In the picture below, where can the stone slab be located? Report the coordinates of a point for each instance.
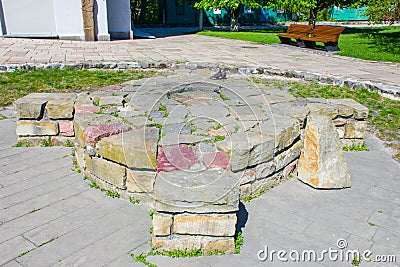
(37, 128)
(107, 171)
(205, 224)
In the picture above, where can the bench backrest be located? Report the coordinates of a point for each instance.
(299, 28)
(329, 32)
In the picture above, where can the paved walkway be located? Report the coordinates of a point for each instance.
(49, 216)
(195, 48)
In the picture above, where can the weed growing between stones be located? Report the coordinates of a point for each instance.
(96, 102)
(142, 258)
(253, 196)
(107, 192)
(356, 261)
(20, 144)
(362, 147)
(151, 229)
(46, 143)
(35, 210)
(238, 242)
(223, 97)
(2, 117)
(371, 224)
(219, 138)
(68, 143)
(134, 201)
(163, 108)
(151, 213)
(23, 253)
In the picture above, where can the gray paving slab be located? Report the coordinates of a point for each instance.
(10, 249)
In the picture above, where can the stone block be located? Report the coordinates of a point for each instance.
(94, 134)
(33, 140)
(82, 121)
(360, 112)
(136, 149)
(31, 106)
(162, 224)
(323, 109)
(60, 140)
(322, 164)
(216, 160)
(110, 172)
(61, 106)
(111, 101)
(176, 157)
(37, 128)
(211, 190)
(86, 109)
(265, 169)
(355, 129)
(344, 106)
(140, 181)
(290, 110)
(66, 128)
(205, 224)
(283, 159)
(189, 243)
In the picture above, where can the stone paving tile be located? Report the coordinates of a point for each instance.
(10, 249)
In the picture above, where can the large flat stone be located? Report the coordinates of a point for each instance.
(323, 109)
(31, 106)
(162, 224)
(212, 190)
(61, 106)
(359, 111)
(205, 224)
(37, 128)
(284, 158)
(355, 129)
(322, 164)
(136, 149)
(176, 157)
(110, 172)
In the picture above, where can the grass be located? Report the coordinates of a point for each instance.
(14, 85)
(253, 196)
(372, 43)
(384, 114)
(238, 242)
(362, 147)
(356, 261)
(142, 258)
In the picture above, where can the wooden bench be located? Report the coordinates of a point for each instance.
(329, 35)
(295, 31)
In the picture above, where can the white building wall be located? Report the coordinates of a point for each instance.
(69, 21)
(119, 19)
(100, 13)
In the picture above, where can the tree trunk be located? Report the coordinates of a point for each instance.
(313, 17)
(88, 19)
(235, 19)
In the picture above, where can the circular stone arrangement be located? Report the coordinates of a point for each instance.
(190, 145)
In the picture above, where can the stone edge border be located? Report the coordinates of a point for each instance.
(384, 89)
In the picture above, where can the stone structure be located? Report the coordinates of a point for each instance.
(193, 149)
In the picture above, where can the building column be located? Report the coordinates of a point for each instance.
(88, 19)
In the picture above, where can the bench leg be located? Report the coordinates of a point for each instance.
(284, 40)
(331, 47)
(309, 44)
(300, 43)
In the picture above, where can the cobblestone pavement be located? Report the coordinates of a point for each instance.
(49, 216)
(195, 48)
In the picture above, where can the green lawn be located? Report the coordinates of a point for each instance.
(372, 43)
(14, 85)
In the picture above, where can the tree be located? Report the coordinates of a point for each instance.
(382, 10)
(88, 19)
(234, 6)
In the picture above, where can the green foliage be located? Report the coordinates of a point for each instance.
(134, 201)
(22, 144)
(142, 258)
(14, 85)
(23, 253)
(163, 108)
(96, 102)
(111, 193)
(179, 253)
(371, 224)
(382, 10)
(151, 213)
(219, 138)
(255, 195)
(68, 143)
(46, 142)
(356, 261)
(217, 127)
(238, 242)
(2, 117)
(223, 97)
(151, 229)
(362, 147)
(94, 185)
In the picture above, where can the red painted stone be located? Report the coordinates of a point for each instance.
(216, 159)
(178, 157)
(219, 132)
(114, 87)
(86, 109)
(93, 134)
(66, 128)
